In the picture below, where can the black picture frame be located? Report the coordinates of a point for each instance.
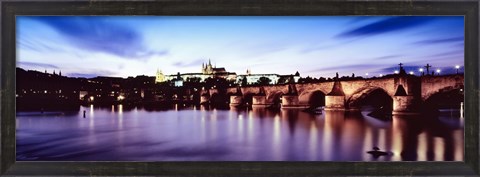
(11, 8)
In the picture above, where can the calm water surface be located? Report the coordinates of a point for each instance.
(200, 134)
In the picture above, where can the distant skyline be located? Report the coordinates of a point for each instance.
(316, 46)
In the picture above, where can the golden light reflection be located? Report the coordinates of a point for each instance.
(397, 145)
(214, 114)
(328, 136)
(91, 122)
(250, 131)
(367, 143)
(120, 116)
(422, 147)
(203, 129)
(120, 109)
(382, 138)
(213, 123)
(439, 145)
(313, 140)
(231, 123)
(250, 113)
(459, 141)
(276, 145)
(91, 110)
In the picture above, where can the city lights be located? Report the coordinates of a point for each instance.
(292, 94)
(120, 98)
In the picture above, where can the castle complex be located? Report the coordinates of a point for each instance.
(210, 71)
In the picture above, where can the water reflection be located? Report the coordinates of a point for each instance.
(204, 133)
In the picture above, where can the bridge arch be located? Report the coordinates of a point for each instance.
(446, 89)
(447, 97)
(375, 96)
(275, 97)
(248, 98)
(315, 97)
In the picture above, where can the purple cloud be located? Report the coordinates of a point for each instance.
(437, 41)
(100, 35)
(387, 25)
(37, 65)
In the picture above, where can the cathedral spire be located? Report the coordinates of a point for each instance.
(209, 62)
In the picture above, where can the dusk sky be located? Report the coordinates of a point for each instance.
(121, 46)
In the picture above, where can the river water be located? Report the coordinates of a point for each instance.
(200, 134)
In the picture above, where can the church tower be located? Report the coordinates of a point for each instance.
(207, 68)
(159, 77)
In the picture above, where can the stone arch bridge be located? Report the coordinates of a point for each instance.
(408, 92)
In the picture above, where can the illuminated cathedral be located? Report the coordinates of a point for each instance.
(207, 71)
(210, 71)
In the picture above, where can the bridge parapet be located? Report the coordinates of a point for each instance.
(348, 95)
(435, 84)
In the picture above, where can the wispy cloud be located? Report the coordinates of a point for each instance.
(100, 35)
(197, 62)
(387, 25)
(329, 46)
(387, 57)
(345, 67)
(36, 65)
(38, 46)
(93, 73)
(449, 53)
(443, 40)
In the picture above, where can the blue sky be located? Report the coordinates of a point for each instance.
(121, 46)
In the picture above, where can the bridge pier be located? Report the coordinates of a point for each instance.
(335, 103)
(236, 100)
(260, 101)
(204, 99)
(404, 105)
(292, 102)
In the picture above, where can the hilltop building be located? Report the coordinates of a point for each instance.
(274, 78)
(207, 71)
(210, 71)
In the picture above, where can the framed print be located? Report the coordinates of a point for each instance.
(239, 88)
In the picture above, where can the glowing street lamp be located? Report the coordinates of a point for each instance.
(421, 71)
(411, 72)
(457, 67)
(396, 72)
(438, 71)
(120, 98)
(381, 75)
